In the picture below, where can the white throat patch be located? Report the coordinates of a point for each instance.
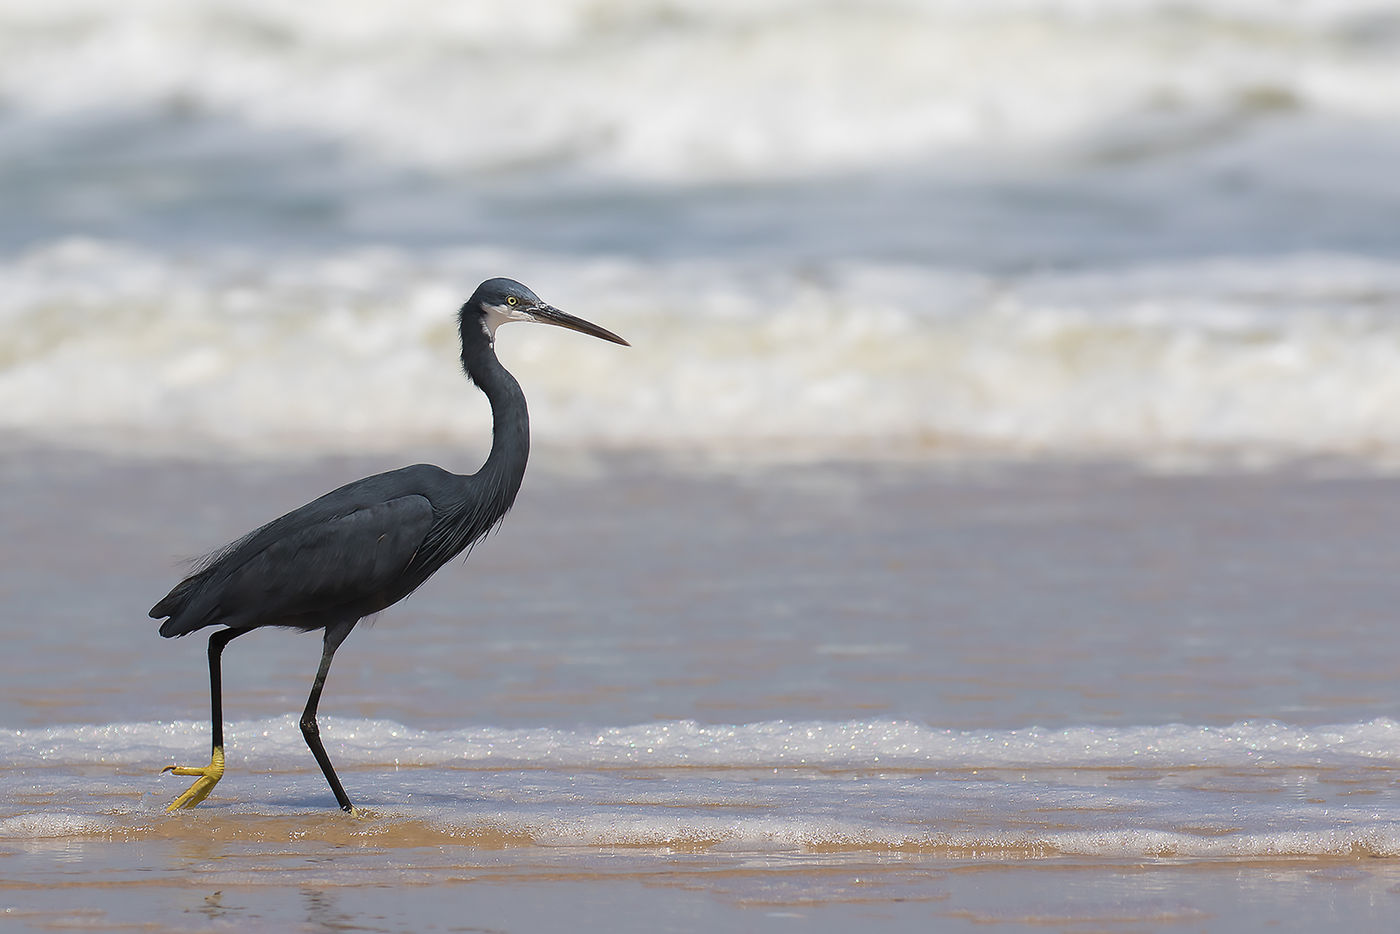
(497, 315)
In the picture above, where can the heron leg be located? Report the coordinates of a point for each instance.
(209, 775)
(310, 730)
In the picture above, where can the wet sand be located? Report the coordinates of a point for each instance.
(625, 591)
(172, 886)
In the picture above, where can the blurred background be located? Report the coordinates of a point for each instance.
(851, 243)
(1133, 228)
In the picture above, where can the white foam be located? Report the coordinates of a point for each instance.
(43, 824)
(356, 350)
(882, 744)
(1247, 790)
(825, 815)
(608, 86)
(1369, 839)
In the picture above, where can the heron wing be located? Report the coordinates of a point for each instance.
(321, 565)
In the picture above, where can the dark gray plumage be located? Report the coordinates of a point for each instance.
(367, 545)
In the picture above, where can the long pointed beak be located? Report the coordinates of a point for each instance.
(548, 314)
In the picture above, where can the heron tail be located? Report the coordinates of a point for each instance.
(176, 605)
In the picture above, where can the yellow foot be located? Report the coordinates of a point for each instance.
(209, 776)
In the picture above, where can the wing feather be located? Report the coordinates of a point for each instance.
(313, 563)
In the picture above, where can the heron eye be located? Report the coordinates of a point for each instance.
(512, 300)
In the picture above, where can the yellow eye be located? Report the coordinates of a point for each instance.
(512, 300)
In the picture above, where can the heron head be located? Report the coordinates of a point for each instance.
(497, 301)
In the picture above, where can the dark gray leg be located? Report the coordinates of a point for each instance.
(309, 729)
(216, 688)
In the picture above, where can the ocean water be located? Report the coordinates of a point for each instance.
(845, 693)
(1114, 228)
(999, 490)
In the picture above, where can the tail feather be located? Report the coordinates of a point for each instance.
(175, 626)
(175, 606)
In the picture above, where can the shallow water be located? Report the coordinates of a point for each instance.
(730, 695)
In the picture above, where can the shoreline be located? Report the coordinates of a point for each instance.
(1086, 600)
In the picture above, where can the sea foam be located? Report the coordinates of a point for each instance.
(356, 350)
(1247, 790)
(860, 745)
(790, 88)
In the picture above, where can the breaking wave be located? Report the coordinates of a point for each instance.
(354, 350)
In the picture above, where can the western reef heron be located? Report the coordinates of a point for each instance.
(367, 545)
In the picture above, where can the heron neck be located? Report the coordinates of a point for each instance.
(504, 469)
